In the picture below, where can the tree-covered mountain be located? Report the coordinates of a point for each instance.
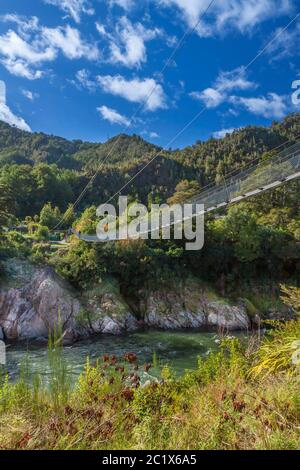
(253, 239)
(38, 168)
(17, 146)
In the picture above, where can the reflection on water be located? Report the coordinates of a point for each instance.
(180, 350)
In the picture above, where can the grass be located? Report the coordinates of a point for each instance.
(232, 401)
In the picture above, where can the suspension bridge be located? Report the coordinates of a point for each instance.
(258, 177)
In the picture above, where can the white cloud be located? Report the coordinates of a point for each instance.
(74, 8)
(223, 85)
(23, 52)
(233, 80)
(150, 134)
(210, 97)
(270, 106)
(130, 48)
(223, 132)
(25, 25)
(100, 28)
(286, 44)
(125, 4)
(153, 135)
(69, 41)
(127, 42)
(135, 90)
(20, 58)
(83, 78)
(7, 115)
(21, 68)
(14, 47)
(225, 15)
(113, 116)
(30, 95)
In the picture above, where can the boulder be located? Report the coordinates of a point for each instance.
(39, 307)
(106, 311)
(38, 301)
(191, 305)
(168, 311)
(229, 317)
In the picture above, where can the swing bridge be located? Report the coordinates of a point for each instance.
(257, 178)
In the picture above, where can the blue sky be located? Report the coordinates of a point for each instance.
(81, 68)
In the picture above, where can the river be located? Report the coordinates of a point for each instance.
(179, 350)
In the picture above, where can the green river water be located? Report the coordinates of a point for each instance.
(179, 350)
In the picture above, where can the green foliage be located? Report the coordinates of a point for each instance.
(291, 297)
(42, 233)
(49, 216)
(221, 405)
(275, 355)
(184, 191)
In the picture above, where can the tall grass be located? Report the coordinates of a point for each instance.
(240, 397)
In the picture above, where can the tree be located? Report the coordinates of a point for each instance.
(6, 205)
(184, 191)
(49, 216)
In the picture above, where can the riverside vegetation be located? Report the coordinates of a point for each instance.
(245, 395)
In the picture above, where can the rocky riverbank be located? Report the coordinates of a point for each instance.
(34, 300)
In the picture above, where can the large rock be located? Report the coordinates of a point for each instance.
(37, 301)
(42, 305)
(169, 311)
(229, 317)
(106, 311)
(190, 305)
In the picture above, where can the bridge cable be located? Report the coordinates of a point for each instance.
(187, 33)
(199, 113)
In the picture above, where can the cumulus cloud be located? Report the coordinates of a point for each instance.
(270, 106)
(223, 85)
(125, 4)
(84, 80)
(128, 44)
(225, 15)
(153, 135)
(69, 41)
(210, 97)
(30, 95)
(24, 51)
(150, 134)
(7, 115)
(113, 116)
(74, 8)
(286, 43)
(18, 56)
(137, 90)
(223, 132)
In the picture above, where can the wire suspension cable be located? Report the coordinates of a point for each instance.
(178, 46)
(200, 112)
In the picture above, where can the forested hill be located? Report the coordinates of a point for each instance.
(21, 147)
(52, 169)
